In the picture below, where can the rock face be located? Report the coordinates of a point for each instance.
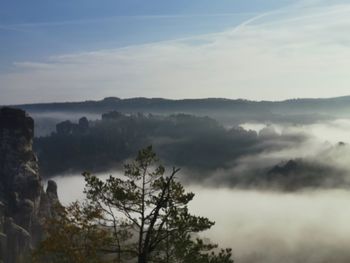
(24, 204)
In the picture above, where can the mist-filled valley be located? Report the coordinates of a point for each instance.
(264, 226)
(281, 156)
(277, 191)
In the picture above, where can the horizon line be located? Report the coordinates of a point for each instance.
(169, 99)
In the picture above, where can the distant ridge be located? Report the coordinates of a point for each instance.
(117, 99)
(293, 106)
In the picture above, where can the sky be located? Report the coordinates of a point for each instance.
(67, 50)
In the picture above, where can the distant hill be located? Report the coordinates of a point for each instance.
(226, 111)
(294, 106)
(147, 105)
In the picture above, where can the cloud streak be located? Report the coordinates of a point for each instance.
(22, 26)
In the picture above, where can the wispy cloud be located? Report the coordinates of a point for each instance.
(22, 26)
(299, 52)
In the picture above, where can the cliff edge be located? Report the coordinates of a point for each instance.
(24, 204)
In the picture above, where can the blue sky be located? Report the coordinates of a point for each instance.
(37, 29)
(49, 46)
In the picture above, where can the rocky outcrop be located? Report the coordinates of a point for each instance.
(24, 204)
(67, 127)
(300, 174)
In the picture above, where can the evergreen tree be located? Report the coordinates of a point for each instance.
(140, 217)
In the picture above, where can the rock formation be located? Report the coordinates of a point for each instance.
(67, 127)
(24, 204)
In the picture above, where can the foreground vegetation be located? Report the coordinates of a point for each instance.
(142, 217)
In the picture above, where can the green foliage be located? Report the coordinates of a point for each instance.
(142, 216)
(74, 236)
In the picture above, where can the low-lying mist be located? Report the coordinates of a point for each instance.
(268, 227)
(255, 214)
(275, 156)
(264, 226)
(290, 158)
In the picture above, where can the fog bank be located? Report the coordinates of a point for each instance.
(270, 227)
(265, 227)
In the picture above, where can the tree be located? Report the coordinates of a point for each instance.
(74, 235)
(142, 216)
(154, 207)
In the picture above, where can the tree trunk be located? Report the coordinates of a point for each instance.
(142, 258)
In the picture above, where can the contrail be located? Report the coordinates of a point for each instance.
(255, 18)
(251, 20)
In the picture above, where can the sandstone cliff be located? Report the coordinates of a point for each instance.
(24, 204)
